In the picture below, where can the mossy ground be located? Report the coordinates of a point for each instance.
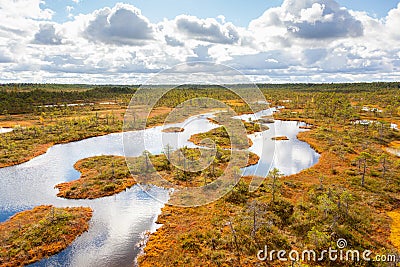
(108, 175)
(395, 228)
(31, 235)
(100, 176)
(313, 209)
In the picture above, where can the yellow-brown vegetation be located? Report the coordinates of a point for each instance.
(173, 130)
(32, 235)
(280, 138)
(324, 202)
(395, 228)
(100, 176)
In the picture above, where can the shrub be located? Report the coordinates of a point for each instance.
(283, 209)
(109, 187)
(239, 193)
(190, 243)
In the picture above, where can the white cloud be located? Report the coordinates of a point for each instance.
(207, 30)
(69, 9)
(172, 41)
(24, 8)
(47, 35)
(309, 19)
(301, 40)
(5, 55)
(123, 24)
(314, 14)
(20, 18)
(201, 54)
(393, 22)
(222, 19)
(312, 56)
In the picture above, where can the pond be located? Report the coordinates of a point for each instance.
(119, 221)
(5, 130)
(289, 156)
(369, 122)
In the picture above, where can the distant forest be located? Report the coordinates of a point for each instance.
(28, 98)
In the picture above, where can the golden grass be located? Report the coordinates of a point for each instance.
(109, 175)
(32, 235)
(395, 144)
(173, 130)
(100, 176)
(166, 246)
(280, 138)
(395, 228)
(38, 150)
(221, 138)
(235, 102)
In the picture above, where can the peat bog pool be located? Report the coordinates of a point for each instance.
(119, 221)
(5, 130)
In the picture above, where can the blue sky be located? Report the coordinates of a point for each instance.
(88, 41)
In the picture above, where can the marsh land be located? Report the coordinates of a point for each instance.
(352, 192)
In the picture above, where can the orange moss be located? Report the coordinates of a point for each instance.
(100, 176)
(235, 102)
(395, 228)
(37, 151)
(187, 233)
(182, 226)
(197, 179)
(164, 247)
(32, 235)
(173, 130)
(159, 111)
(309, 127)
(395, 144)
(280, 138)
(221, 138)
(212, 120)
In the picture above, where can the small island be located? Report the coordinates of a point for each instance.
(307, 127)
(108, 175)
(251, 126)
(202, 167)
(254, 127)
(173, 130)
(100, 176)
(280, 138)
(266, 120)
(222, 139)
(32, 235)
